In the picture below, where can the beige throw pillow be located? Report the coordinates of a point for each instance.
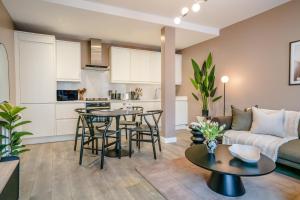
(268, 123)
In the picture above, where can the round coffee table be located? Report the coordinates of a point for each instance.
(227, 170)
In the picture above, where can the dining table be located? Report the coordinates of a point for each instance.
(117, 114)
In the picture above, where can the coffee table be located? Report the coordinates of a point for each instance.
(226, 170)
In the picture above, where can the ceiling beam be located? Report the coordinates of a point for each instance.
(135, 15)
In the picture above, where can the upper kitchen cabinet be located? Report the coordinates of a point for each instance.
(178, 66)
(140, 66)
(68, 61)
(155, 67)
(120, 65)
(35, 68)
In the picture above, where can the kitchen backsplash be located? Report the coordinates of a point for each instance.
(98, 83)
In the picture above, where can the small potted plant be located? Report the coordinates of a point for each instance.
(10, 120)
(211, 131)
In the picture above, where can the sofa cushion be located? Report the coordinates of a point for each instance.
(268, 123)
(290, 151)
(241, 119)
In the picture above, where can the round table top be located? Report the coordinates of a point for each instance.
(223, 162)
(114, 113)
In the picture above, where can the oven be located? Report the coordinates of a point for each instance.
(102, 105)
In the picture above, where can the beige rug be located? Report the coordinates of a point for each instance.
(181, 180)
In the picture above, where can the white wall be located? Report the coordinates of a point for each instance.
(98, 83)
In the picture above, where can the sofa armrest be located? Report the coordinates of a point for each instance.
(227, 120)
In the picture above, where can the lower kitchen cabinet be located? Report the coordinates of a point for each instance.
(42, 117)
(66, 126)
(181, 110)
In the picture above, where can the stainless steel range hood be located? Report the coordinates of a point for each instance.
(99, 53)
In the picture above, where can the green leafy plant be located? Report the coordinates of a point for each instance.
(204, 82)
(211, 130)
(10, 120)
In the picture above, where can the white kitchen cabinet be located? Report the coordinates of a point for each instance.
(66, 126)
(140, 66)
(120, 65)
(42, 117)
(155, 67)
(35, 68)
(68, 61)
(178, 69)
(67, 110)
(181, 111)
(66, 117)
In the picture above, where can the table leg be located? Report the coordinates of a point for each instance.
(118, 147)
(225, 184)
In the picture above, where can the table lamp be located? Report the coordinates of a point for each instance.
(224, 80)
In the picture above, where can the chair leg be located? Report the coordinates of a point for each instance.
(93, 145)
(139, 142)
(126, 131)
(158, 139)
(102, 151)
(130, 143)
(76, 135)
(97, 145)
(153, 145)
(81, 147)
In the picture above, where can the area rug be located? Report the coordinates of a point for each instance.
(181, 180)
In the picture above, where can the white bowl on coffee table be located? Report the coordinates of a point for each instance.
(246, 153)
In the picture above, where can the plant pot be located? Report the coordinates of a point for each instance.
(205, 113)
(211, 146)
(9, 158)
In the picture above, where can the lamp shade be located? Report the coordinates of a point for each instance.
(224, 79)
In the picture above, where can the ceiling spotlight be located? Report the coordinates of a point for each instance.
(177, 20)
(184, 11)
(196, 7)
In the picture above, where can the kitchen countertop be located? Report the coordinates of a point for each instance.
(178, 98)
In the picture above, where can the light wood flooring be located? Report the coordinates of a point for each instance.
(51, 172)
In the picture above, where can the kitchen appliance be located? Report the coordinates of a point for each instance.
(99, 55)
(66, 95)
(98, 103)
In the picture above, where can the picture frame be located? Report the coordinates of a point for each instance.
(294, 68)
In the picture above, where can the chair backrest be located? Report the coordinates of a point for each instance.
(133, 117)
(152, 115)
(88, 121)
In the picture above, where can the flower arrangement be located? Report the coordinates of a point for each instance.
(210, 130)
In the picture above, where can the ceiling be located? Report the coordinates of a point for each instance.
(132, 21)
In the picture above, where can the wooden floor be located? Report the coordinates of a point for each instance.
(51, 171)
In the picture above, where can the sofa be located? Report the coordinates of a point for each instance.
(288, 153)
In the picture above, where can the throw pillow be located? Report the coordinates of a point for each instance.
(241, 119)
(268, 123)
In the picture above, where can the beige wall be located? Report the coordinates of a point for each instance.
(255, 55)
(7, 38)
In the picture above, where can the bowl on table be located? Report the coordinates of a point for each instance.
(246, 153)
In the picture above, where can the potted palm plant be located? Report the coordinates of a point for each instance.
(204, 83)
(10, 120)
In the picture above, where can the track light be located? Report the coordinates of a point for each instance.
(184, 11)
(196, 7)
(177, 20)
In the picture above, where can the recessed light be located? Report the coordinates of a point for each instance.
(177, 20)
(196, 7)
(184, 11)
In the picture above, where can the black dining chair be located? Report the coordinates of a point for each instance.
(97, 121)
(131, 121)
(94, 133)
(150, 130)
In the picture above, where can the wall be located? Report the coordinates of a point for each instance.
(7, 38)
(255, 55)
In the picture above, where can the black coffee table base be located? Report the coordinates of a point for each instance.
(225, 184)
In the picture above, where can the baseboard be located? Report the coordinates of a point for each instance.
(181, 127)
(39, 140)
(168, 140)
